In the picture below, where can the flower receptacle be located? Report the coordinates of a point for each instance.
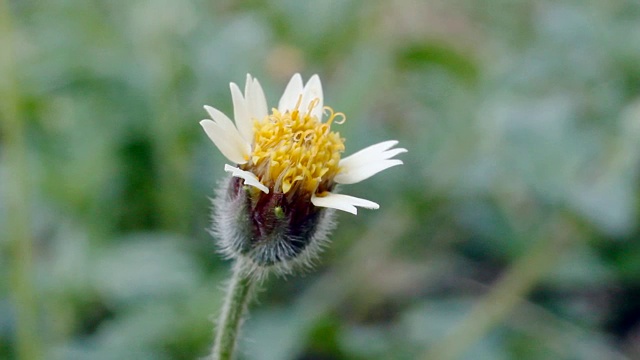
(271, 230)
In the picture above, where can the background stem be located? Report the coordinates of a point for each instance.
(17, 192)
(239, 293)
(508, 292)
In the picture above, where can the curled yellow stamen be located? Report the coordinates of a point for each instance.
(294, 151)
(332, 115)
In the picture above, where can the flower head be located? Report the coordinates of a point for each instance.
(288, 164)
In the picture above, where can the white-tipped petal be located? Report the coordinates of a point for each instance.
(249, 177)
(241, 113)
(388, 154)
(223, 139)
(222, 120)
(368, 162)
(343, 202)
(367, 154)
(312, 91)
(257, 101)
(232, 134)
(247, 86)
(291, 93)
(364, 172)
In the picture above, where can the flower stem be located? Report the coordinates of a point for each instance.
(239, 292)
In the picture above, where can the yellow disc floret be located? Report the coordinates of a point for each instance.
(294, 151)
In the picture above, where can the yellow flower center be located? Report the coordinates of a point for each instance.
(295, 151)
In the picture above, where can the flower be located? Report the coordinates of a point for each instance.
(290, 150)
(287, 165)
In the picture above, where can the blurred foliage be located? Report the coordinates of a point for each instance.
(510, 232)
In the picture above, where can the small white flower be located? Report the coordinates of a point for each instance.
(290, 151)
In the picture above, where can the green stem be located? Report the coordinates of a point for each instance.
(17, 182)
(239, 292)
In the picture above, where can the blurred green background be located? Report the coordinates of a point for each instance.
(511, 232)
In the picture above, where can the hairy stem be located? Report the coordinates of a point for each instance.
(239, 292)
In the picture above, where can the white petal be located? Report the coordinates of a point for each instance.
(343, 202)
(291, 93)
(247, 86)
(223, 140)
(222, 120)
(257, 101)
(312, 91)
(388, 154)
(356, 175)
(249, 177)
(368, 162)
(241, 113)
(367, 154)
(233, 136)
